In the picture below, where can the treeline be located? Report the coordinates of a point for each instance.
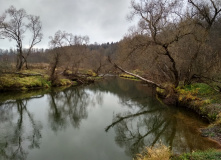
(40, 55)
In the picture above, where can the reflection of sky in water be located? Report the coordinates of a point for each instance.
(71, 124)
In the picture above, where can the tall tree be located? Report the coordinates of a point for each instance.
(14, 26)
(159, 24)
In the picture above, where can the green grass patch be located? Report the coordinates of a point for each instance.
(74, 83)
(12, 82)
(94, 78)
(127, 76)
(91, 73)
(201, 98)
(201, 89)
(62, 82)
(162, 152)
(83, 71)
(200, 155)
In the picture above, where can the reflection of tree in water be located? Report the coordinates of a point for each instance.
(14, 139)
(148, 123)
(70, 104)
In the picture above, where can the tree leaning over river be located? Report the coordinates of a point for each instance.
(173, 43)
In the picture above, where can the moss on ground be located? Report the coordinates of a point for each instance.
(18, 82)
(83, 71)
(63, 82)
(24, 82)
(38, 78)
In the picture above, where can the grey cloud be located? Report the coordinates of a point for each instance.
(101, 20)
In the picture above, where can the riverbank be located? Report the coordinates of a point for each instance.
(39, 79)
(161, 151)
(205, 101)
(202, 99)
(198, 97)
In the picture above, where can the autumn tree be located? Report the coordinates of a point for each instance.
(14, 25)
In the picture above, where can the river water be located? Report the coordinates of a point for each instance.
(111, 119)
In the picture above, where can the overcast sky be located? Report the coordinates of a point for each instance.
(102, 20)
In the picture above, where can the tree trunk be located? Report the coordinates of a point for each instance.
(19, 62)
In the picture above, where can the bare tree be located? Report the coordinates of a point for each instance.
(204, 15)
(56, 43)
(208, 11)
(2, 18)
(66, 49)
(14, 26)
(159, 23)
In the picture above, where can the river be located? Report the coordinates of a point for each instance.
(111, 119)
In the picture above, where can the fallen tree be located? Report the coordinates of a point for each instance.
(135, 75)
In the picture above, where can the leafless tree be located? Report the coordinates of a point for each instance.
(204, 15)
(159, 23)
(171, 42)
(14, 26)
(207, 11)
(66, 49)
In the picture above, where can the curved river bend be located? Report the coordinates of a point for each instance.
(111, 119)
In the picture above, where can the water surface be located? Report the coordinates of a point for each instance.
(111, 119)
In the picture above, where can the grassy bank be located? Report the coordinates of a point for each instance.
(206, 102)
(39, 78)
(162, 152)
(199, 155)
(18, 82)
(30, 79)
(198, 97)
(202, 99)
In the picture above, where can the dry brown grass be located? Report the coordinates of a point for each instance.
(159, 152)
